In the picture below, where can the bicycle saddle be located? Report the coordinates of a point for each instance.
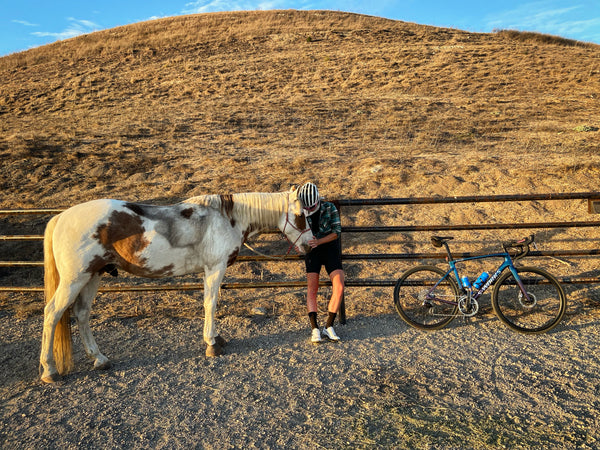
(438, 241)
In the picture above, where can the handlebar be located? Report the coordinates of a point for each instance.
(522, 246)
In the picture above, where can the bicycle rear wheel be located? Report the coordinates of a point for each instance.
(421, 303)
(545, 309)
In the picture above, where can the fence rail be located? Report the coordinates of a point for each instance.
(470, 199)
(591, 197)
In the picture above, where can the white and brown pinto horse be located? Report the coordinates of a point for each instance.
(199, 234)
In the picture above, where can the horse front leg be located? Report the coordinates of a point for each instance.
(212, 282)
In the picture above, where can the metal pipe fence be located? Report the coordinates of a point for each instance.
(593, 199)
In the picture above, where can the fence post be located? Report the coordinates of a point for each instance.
(342, 311)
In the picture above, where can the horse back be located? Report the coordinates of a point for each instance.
(145, 240)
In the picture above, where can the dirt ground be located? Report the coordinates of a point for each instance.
(472, 385)
(366, 108)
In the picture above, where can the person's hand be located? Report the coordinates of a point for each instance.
(314, 242)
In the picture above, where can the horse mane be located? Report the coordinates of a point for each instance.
(259, 209)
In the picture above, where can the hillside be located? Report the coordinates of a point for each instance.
(247, 101)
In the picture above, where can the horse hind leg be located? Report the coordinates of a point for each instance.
(48, 370)
(82, 309)
(51, 364)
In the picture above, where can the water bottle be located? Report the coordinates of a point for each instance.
(465, 282)
(480, 281)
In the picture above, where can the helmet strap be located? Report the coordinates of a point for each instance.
(310, 213)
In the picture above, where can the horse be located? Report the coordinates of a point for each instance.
(203, 233)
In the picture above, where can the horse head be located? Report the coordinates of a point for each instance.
(293, 223)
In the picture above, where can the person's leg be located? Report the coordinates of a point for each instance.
(337, 288)
(312, 289)
(311, 305)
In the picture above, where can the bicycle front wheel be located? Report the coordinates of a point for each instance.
(543, 310)
(422, 302)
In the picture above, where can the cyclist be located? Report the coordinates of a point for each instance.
(324, 221)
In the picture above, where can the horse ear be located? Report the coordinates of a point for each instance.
(294, 188)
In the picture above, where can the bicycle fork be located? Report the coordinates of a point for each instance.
(525, 299)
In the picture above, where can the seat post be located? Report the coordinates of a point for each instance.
(448, 250)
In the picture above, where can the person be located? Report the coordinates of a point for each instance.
(324, 221)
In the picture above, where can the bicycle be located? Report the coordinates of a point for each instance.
(527, 299)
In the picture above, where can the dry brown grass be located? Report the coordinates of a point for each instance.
(159, 110)
(527, 36)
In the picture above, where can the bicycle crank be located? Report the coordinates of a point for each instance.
(468, 310)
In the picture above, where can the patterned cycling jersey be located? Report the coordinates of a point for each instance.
(329, 220)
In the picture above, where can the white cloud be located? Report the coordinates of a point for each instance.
(24, 22)
(75, 28)
(204, 6)
(547, 17)
(530, 16)
(85, 23)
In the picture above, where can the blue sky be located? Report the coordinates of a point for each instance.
(25, 24)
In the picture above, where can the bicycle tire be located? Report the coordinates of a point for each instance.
(420, 313)
(547, 310)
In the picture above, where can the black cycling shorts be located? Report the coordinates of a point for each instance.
(328, 255)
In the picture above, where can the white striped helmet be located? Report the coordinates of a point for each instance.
(308, 194)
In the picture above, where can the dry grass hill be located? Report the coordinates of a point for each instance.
(365, 107)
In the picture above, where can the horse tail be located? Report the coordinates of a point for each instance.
(62, 348)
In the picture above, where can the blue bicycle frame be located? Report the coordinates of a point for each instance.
(426, 296)
(506, 264)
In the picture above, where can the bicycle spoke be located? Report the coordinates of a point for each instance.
(421, 303)
(539, 311)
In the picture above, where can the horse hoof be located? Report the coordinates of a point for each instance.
(52, 378)
(103, 366)
(220, 341)
(213, 351)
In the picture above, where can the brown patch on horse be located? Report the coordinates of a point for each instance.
(187, 213)
(300, 222)
(97, 265)
(246, 233)
(227, 207)
(110, 269)
(124, 233)
(136, 208)
(233, 256)
(123, 239)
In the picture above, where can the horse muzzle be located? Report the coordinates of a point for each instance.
(303, 249)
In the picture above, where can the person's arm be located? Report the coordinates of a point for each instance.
(314, 242)
(335, 226)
